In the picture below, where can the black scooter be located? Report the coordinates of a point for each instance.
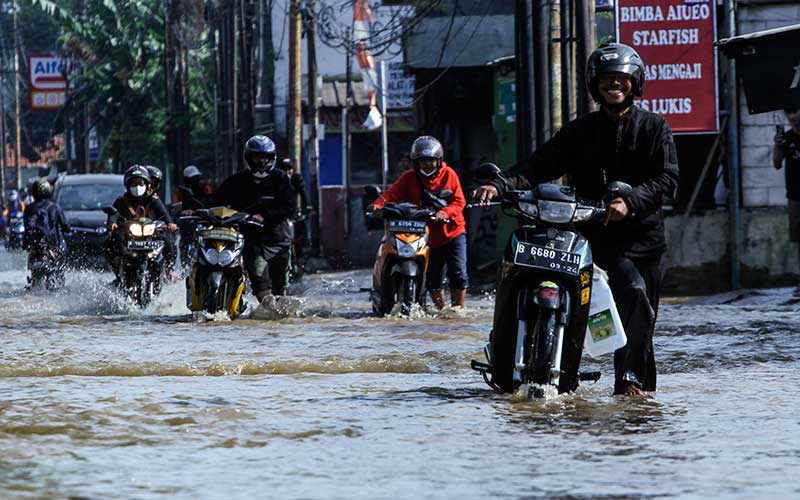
(542, 307)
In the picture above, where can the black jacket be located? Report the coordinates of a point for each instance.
(129, 208)
(595, 150)
(55, 224)
(241, 192)
(299, 186)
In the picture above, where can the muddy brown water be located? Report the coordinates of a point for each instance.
(99, 400)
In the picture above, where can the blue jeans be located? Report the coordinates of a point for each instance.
(452, 258)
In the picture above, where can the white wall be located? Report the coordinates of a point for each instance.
(762, 185)
(330, 61)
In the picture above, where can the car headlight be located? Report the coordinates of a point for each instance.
(149, 229)
(211, 256)
(556, 212)
(135, 229)
(583, 214)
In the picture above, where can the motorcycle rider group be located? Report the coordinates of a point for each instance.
(618, 142)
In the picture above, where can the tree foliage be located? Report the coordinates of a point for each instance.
(118, 46)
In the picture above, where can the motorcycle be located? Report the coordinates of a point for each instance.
(549, 267)
(15, 231)
(217, 279)
(141, 267)
(46, 264)
(402, 259)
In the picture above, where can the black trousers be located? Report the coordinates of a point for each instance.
(635, 284)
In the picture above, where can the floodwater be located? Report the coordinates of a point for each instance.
(98, 400)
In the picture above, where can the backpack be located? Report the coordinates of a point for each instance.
(39, 227)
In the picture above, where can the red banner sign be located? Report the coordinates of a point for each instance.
(676, 40)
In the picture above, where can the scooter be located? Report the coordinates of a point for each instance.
(549, 269)
(217, 279)
(402, 259)
(15, 232)
(140, 274)
(46, 264)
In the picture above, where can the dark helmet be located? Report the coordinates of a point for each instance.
(191, 171)
(427, 147)
(156, 175)
(615, 58)
(42, 190)
(259, 155)
(13, 195)
(137, 172)
(286, 164)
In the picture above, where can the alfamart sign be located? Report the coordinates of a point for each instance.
(47, 81)
(676, 40)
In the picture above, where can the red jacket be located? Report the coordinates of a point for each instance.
(406, 188)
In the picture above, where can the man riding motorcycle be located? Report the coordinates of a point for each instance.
(137, 202)
(448, 239)
(620, 142)
(266, 193)
(45, 223)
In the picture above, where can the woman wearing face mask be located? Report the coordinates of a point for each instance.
(448, 239)
(136, 202)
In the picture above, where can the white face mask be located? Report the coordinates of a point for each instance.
(137, 191)
(428, 174)
(260, 175)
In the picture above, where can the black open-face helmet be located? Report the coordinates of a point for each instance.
(137, 172)
(286, 164)
(42, 190)
(615, 58)
(427, 146)
(156, 175)
(259, 155)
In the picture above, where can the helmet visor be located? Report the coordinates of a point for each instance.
(261, 162)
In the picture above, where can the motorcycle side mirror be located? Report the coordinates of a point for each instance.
(109, 210)
(444, 193)
(619, 189)
(488, 172)
(373, 190)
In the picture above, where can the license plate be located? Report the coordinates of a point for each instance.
(407, 226)
(144, 244)
(547, 258)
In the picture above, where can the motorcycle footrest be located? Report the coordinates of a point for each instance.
(480, 367)
(589, 376)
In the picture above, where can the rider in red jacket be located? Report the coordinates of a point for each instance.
(448, 239)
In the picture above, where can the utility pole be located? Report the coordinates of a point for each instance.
(313, 110)
(295, 131)
(541, 59)
(17, 115)
(584, 16)
(556, 66)
(734, 201)
(567, 80)
(2, 130)
(525, 81)
(384, 127)
(346, 127)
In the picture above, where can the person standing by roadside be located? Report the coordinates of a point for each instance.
(787, 150)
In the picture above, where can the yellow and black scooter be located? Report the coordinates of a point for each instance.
(217, 279)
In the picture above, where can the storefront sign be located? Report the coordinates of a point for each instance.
(47, 81)
(400, 91)
(676, 40)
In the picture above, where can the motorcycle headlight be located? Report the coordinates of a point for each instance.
(211, 256)
(583, 214)
(227, 256)
(101, 230)
(529, 208)
(405, 250)
(556, 212)
(135, 229)
(149, 229)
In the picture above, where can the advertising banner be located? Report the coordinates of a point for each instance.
(47, 81)
(676, 40)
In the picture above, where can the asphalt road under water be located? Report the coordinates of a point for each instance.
(99, 400)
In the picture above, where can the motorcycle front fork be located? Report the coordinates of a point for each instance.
(525, 300)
